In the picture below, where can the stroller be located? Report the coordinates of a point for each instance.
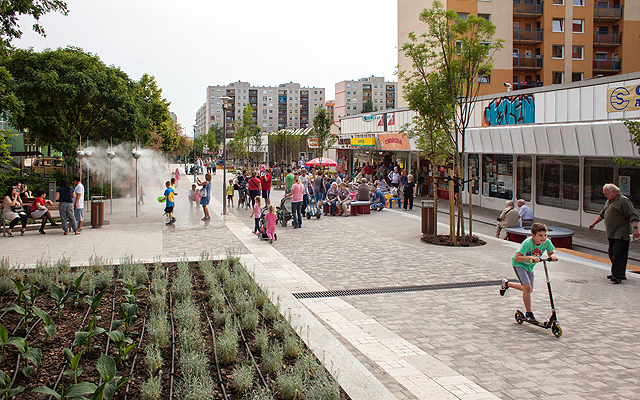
(283, 211)
(262, 226)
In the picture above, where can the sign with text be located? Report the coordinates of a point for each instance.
(363, 141)
(312, 142)
(394, 141)
(623, 98)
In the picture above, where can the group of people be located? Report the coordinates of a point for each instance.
(199, 197)
(18, 206)
(512, 217)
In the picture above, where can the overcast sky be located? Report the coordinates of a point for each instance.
(190, 44)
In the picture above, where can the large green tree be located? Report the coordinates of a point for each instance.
(367, 107)
(447, 60)
(154, 113)
(12, 10)
(246, 130)
(322, 130)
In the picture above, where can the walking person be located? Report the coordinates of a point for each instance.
(525, 213)
(296, 193)
(255, 214)
(272, 219)
(64, 197)
(620, 222)
(169, 197)
(204, 200)
(78, 205)
(254, 186)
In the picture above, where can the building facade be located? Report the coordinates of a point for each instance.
(546, 42)
(286, 106)
(351, 96)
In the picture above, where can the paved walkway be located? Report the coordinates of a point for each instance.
(459, 343)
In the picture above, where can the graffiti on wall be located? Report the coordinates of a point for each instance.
(509, 110)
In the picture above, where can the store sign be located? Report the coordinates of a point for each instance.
(623, 98)
(312, 142)
(394, 141)
(363, 141)
(624, 183)
(367, 118)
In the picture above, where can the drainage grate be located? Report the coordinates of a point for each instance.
(392, 289)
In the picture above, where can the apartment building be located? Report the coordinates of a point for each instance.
(330, 105)
(286, 106)
(546, 42)
(351, 96)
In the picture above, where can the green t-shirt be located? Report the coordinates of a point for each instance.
(288, 181)
(527, 248)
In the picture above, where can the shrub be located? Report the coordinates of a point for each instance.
(292, 347)
(250, 319)
(159, 331)
(227, 345)
(272, 358)
(152, 388)
(262, 339)
(282, 329)
(271, 312)
(243, 378)
(153, 358)
(289, 385)
(322, 388)
(307, 366)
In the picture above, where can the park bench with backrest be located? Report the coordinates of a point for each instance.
(53, 210)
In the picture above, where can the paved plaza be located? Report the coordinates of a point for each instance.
(445, 343)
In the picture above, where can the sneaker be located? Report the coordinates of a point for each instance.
(271, 240)
(504, 286)
(173, 220)
(254, 232)
(531, 318)
(611, 277)
(614, 280)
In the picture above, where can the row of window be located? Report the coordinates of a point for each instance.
(578, 3)
(265, 92)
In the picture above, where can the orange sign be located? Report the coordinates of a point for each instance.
(312, 142)
(394, 141)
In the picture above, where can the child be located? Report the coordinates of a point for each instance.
(408, 189)
(272, 218)
(169, 196)
(176, 176)
(193, 197)
(230, 189)
(257, 208)
(523, 261)
(173, 183)
(142, 194)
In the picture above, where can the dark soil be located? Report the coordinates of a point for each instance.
(443, 240)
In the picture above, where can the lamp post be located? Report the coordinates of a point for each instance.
(195, 170)
(88, 154)
(80, 155)
(136, 154)
(224, 152)
(111, 155)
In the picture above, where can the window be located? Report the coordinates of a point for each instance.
(576, 76)
(598, 172)
(558, 25)
(486, 17)
(577, 52)
(497, 173)
(488, 46)
(578, 26)
(557, 77)
(355, 100)
(601, 56)
(557, 182)
(558, 2)
(484, 78)
(348, 86)
(523, 186)
(348, 93)
(579, 3)
(558, 51)
(463, 16)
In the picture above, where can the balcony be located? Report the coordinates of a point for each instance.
(607, 65)
(527, 35)
(527, 62)
(526, 85)
(607, 39)
(527, 8)
(607, 12)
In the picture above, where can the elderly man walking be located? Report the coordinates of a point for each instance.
(526, 214)
(620, 222)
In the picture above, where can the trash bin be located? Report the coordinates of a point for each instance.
(428, 217)
(52, 190)
(97, 211)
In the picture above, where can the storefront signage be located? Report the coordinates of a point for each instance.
(367, 118)
(363, 141)
(394, 141)
(624, 183)
(623, 98)
(312, 142)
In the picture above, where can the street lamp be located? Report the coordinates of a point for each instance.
(224, 151)
(111, 155)
(88, 154)
(136, 154)
(80, 155)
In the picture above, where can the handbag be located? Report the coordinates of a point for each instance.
(202, 193)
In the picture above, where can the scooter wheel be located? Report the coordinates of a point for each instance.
(556, 330)
(318, 215)
(519, 317)
(308, 216)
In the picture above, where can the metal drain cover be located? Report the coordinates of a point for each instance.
(577, 280)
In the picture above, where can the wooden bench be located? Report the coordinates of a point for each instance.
(360, 207)
(53, 210)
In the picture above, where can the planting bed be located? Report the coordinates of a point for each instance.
(199, 330)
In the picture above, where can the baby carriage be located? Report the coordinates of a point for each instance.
(262, 226)
(283, 211)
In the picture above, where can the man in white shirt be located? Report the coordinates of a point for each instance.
(193, 193)
(526, 214)
(78, 205)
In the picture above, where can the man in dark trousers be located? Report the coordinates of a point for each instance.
(620, 222)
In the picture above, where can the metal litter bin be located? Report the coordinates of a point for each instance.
(428, 217)
(97, 211)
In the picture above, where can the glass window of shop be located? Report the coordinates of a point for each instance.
(558, 182)
(597, 172)
(474, 168)
(524, 178)
(497, 171)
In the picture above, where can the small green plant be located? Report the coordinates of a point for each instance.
(289, 385)
(84, 337)
(159, 331)
(292, 346)
(49, 326)
(59, 297)
(94, 302)
(123, 343)
(106, 366)
(243, 378)
(271, 312)
(250, 319)
(307, 365)
(282, 329)
(27, 295)
(272, 358)
(5, 384)
(130, 291)
(31, 357)
(77, 391)
(322, 388)
(262, 339)
(74, 361)
(227, 346)
(128, 312)
(5, 341)
(153, 359)
(152, 388)
(76, 289)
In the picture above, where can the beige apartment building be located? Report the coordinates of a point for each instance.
(351, 96)
(546, 42)
(286, 106)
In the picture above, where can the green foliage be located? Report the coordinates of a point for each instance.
(5, 384)
(246, 133)
(74, 361)
(243, 378)
(83, 338)
(322, 130)
(11, 12)
(262, 339)
(292, 346)
(31, 356)
(93, 303)
(286, 144)
(128, 312)
(18, 342)
(367, 107)
(152, 388)
(289, 385)
(124, 345)
(272, 358)
(49, 326)
(307, 365)
(106, 366)
(75, 391)
(227, 345)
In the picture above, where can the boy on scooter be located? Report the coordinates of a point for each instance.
(523, 261)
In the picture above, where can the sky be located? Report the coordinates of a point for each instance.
(191, 44)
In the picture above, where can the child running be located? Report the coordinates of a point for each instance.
(169, 196)
(272, 218)
(523, 261)
(257, 209)
(230, 190)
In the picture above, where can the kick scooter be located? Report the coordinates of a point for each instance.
(552, 323)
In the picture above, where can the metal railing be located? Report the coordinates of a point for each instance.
(607, 39)
(607, 64)
(607, 12)
(527, 35)
(527, 62)
(527, 7)
(526, 85)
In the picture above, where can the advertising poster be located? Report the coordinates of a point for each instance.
(624, 183)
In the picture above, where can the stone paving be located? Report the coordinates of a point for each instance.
(452, 343)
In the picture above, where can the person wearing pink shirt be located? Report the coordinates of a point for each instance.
(272, 219)
(297, 194)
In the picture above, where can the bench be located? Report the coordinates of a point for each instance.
(560, 237)
(53, 210)
(360, 207)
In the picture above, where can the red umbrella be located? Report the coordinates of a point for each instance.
(321, 162)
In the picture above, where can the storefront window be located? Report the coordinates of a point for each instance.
(497, 171)
(524, 175)
(598, 172)
(558, 182)
(474, 162)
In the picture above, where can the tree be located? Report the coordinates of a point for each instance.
(12, 10)
(634, 129)
(447, 60)
(215, 137)
(322, 130)
(367, 107)
(246, 129)
(154, 112)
